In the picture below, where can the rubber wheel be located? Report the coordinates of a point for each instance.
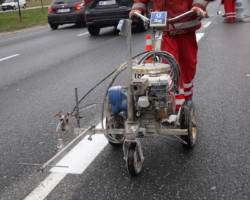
(114, 122)
(24, 6)
(53, 26)
(94, 30)
(188, 121)
(14, 7)
(134, 163)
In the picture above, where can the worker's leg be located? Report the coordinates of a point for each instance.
(170, 44)
(230, 10)
(188, 49)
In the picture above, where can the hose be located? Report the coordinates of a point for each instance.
(176, 73)
(115, 74)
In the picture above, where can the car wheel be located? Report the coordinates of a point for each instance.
(141, 25)
(53, 26)
(24, 6)
(3, 9)
(94, 30)
(14, 7)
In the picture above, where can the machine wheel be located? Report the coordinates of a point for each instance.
(53, 26)
(114, 122)
(134, 163)
(94, 30)
(188, 121)
(14, 7)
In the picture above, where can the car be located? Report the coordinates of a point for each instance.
(105, 13)
(66, 12)
(13, 4)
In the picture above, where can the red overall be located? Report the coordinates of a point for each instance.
(184, 48)
(179, 38)
(229, 6)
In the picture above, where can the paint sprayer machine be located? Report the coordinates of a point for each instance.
(145, 107)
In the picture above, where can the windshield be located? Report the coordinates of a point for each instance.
(9, 1)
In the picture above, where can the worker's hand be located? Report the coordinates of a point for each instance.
(199, 13)
(132, 16)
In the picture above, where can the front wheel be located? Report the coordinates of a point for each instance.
(53, 26)
(134, 163)
(188, 121)
(94, 30)
(14, 7)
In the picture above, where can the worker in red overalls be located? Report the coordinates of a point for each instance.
(179, 38)
(229, 6)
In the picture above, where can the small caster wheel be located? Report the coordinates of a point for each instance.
(134, 164)
(188, 121)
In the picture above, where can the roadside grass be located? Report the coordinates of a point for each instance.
(10, 21)
(38, 3)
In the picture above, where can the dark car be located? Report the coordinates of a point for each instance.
(104, 13)
(66, 12)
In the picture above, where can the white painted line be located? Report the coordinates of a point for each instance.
(80, 157)
(199, 36)
(88, 150)
(83, 34)
(207, 24)
(46, 186)
(248, 75)
(9, 57)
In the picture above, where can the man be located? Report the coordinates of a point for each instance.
(179, 37)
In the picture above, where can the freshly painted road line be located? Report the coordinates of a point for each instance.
(88, 151)
(9, 57)
(207, 24)
(199, 36)
(83, 34)
(46, 186)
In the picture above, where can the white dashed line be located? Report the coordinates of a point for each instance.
(199, 36)
(9, 57)
(248, 75)
(83, 34)
(207, 24)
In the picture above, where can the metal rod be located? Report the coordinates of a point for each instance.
(77, 109)
(34, 164)
(66, 147)
(129, 72)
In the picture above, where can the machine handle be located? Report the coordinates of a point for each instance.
(147, 20)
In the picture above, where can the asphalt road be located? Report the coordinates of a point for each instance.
(40, 78)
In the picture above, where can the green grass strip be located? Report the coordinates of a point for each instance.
(10, 21)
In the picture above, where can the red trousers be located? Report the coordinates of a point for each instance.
(184, 48)
(229, 6)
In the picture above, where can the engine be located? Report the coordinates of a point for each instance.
(150, 90)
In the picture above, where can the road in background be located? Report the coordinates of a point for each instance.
(39, 72)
